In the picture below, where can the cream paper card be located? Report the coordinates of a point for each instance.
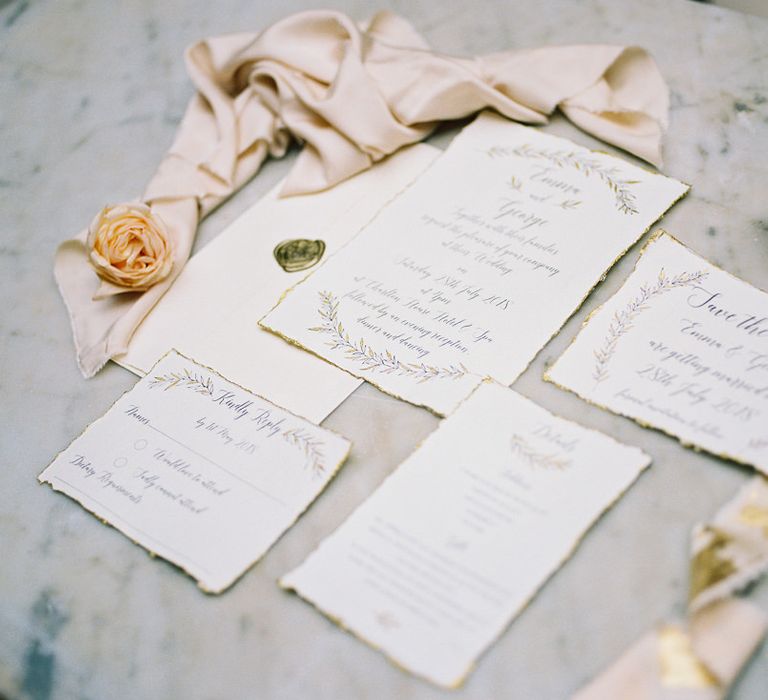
(211, 313)
(683, 347)
(472, 269)
(198, 470)
(433, 566)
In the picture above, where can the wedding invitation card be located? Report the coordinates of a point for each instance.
(198, 470)
(212, 310)
(474, 267)
(682, 347)
(433, 566)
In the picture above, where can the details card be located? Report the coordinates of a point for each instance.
(470, 271)
(682, 347)
(198, 470)
(434, 565)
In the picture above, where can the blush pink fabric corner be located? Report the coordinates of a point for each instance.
(352, 95)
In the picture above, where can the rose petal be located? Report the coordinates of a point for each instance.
(129, 248)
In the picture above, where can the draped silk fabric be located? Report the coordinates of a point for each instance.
(352, 95)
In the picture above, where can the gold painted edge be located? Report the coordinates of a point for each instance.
(151, 553)
(581, 426)
(547, 377)
(390, 657)
(580, 536)
(644, 165)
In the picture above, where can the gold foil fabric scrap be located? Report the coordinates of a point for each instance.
(678, 663)
(732, 550)
(700, 658)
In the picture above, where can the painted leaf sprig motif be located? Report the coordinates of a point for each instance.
(521, 448)
(311, 447)
(368, 358)
(622, 320)
(589, 166)
(186, 380)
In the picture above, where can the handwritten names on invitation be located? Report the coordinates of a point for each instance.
(472, 269)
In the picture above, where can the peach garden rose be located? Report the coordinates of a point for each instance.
(129, 246)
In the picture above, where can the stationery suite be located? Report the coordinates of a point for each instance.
(211, 312)
(439, 279)
(198, 470)
(474, 267)
(683, 347)
(433, 566)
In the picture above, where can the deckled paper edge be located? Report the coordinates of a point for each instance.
(154, 555)
(292, 341)
(547, 377)
(464, 674)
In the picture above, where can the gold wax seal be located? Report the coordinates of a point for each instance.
(298, 254)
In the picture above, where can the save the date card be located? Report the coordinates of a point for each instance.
(682, 347)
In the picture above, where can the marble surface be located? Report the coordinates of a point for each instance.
(90, 95)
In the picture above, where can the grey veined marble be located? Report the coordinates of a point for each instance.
(90, 95)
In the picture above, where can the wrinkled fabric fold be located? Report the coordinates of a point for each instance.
(700, 658)
(351, 95)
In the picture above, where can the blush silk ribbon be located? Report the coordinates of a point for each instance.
(700, 658)
(352, 94)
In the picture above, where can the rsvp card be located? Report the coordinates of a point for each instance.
(198, 470)
(434, 565)
(471, 270)
(683, 347)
